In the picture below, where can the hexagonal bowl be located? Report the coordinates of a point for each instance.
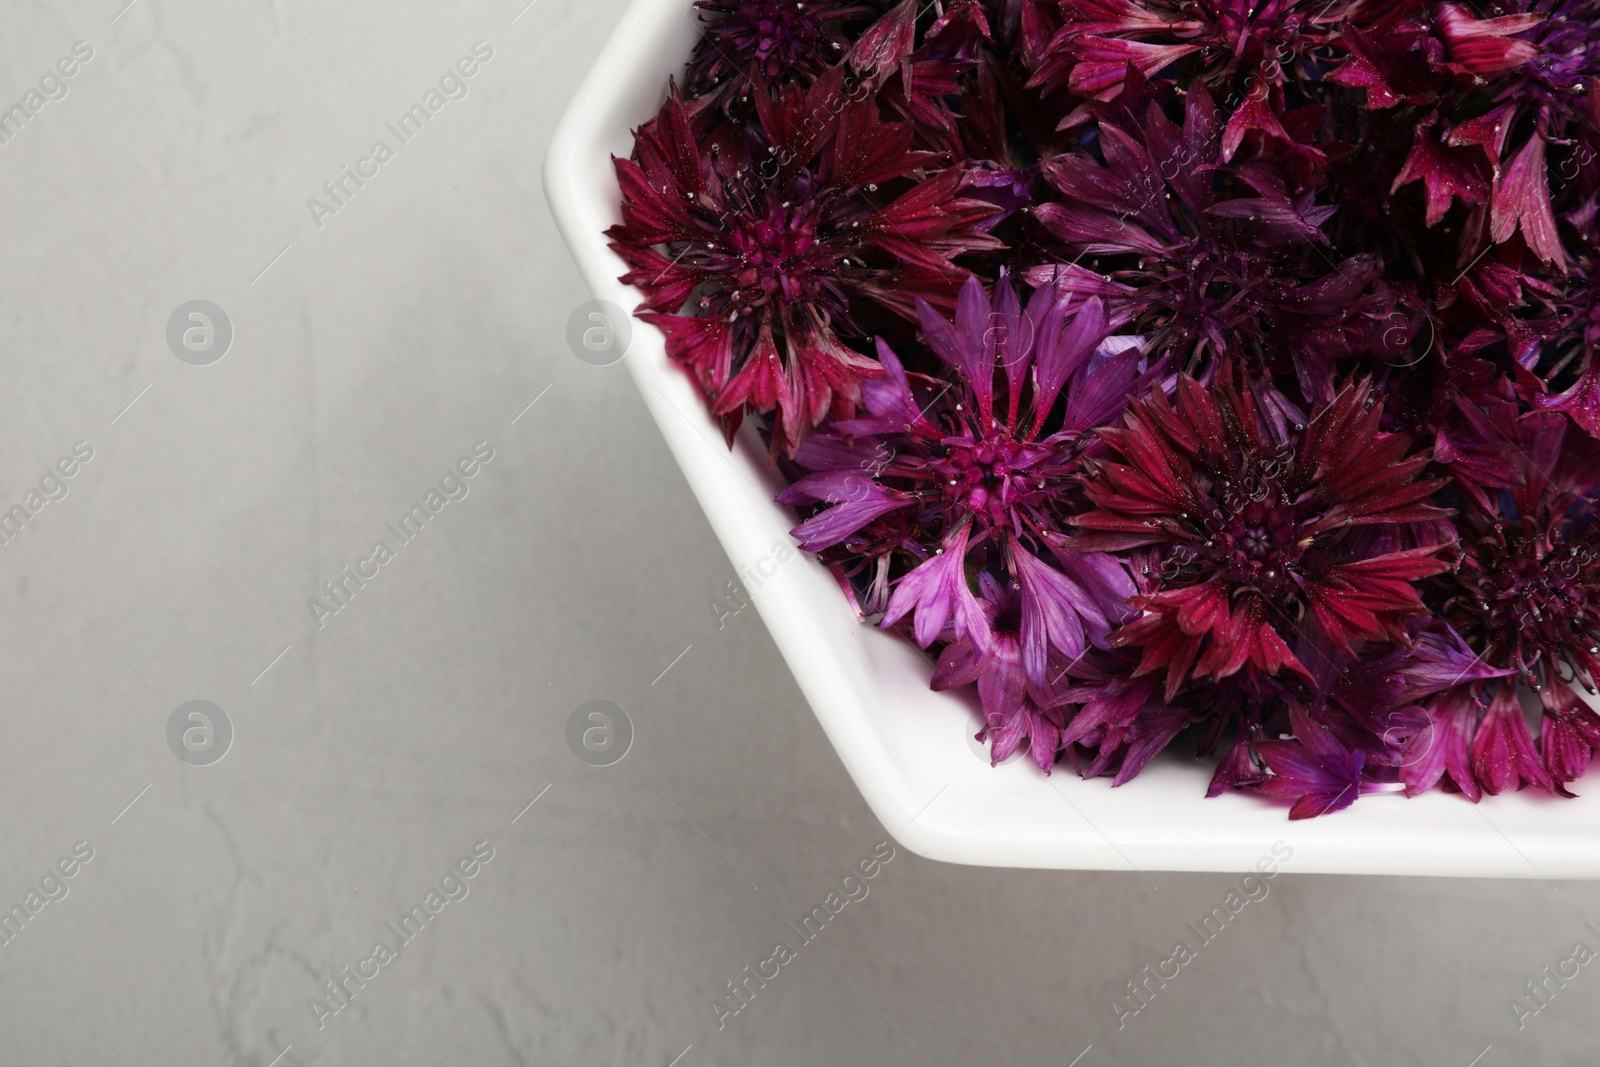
(909, 749)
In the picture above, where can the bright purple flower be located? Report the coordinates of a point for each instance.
(1568, 61)
(975, 478)
(1104, 723)
(1261, 530)
(1120, 725)
(1313, 768)
(1016, 709)
(936, 590)
(857, 500)
(1437, 660)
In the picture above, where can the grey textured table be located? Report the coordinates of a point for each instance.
(380, 737)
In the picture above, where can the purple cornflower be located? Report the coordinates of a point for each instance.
(975, 478)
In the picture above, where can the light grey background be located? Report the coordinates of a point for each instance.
(422, 718)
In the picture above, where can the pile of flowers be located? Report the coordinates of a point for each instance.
(1214, 369)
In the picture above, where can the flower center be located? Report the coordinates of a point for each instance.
(778, 255)
(1250, 536)
(775, 35)
(1526, 603)
(988, 475)
(1213, 290)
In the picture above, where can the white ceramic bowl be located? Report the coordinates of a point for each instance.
(906, 747)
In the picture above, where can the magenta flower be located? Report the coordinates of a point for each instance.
(974, 479)
(1568, 736)
(1262, 530)
(1251, 50)
(1522, 202)
(1483, 46)
(1439, 748)
(1580, 401)
(1313, 769)
(1503, 753)
(1120, 724)
(779, 41)
(775, 259)
(1017, 710)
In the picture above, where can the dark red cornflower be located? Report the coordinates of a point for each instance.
(757, 266)
(778, 41)
(915, 77)
(1264, 530)
(1496, 94)
(1526, 592)
(1530, 591)
(1245, 51)
(1525, 595)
